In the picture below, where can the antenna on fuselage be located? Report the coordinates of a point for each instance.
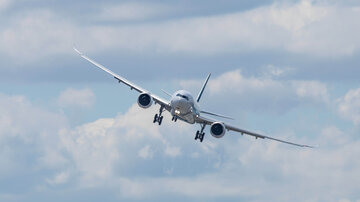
(203, 88)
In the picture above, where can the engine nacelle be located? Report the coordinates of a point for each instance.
(217, 130)
(144, 100)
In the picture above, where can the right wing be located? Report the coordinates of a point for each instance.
(132, 86)
(228, 127)
(219, 115)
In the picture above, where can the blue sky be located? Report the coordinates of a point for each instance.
(288, 69)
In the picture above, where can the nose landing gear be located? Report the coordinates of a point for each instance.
(200, 134)
(158, 117)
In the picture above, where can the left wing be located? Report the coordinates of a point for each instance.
(132, 86)
(228, 127)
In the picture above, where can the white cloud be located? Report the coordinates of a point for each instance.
(146, 152)
(20, 118)
(271, 71)
(172, 151)
(313, 90)
(59, 178)
(28, 137)
(305, 27)
(4, 4)
(105, 154)
(93, 152)
(256, 169)
(349, 106)
(106, 148)
(76, 98)
(35, 35)
(265, 93)
(298, 16)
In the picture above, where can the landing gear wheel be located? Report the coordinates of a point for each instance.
(155, 118)
(200, 134)
(197, 135)
(160, 120)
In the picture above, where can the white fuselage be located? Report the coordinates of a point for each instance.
(184, 107)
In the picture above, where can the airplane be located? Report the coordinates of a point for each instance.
(184, 107)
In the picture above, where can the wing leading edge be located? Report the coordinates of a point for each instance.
(208, 121)
(132, 86)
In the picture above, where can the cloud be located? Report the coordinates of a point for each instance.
(214, 187)
(35, 35)
(17, 119)
(261, 93)
(106, 148)
(313, 90)
(306, 27)
(28, 140)
(146, 153)
(59, 178)
(172, 151)
(4, 4)
(108, 153)
(349, 106)
(76, 98)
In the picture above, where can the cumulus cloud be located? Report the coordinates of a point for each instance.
(28, 138)
(261, 93)
(110, 153)
(17, 119)
(34, 35)
(76, 98)
(305, 27)
(313, 90)
(349, 106)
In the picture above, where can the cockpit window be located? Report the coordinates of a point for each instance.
(183, 96)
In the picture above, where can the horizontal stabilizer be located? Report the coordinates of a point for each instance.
(166, 93)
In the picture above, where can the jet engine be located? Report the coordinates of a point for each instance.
(144, 100)
(217, 130)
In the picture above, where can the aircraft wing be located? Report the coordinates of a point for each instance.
(162, 102)
(208, 121)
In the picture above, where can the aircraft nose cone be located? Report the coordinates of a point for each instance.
(179, 104)
(175, 103)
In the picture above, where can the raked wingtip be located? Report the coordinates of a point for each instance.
(76, 50)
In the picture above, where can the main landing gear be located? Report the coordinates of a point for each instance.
(200, 134)
(158, 117)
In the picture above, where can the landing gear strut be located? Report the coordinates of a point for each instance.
(200, 134)
(158, 117)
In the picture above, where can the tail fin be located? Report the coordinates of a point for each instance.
(203, 88)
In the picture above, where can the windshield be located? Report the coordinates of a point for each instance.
(183, 96)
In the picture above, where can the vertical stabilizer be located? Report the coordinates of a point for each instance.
(203, 88)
